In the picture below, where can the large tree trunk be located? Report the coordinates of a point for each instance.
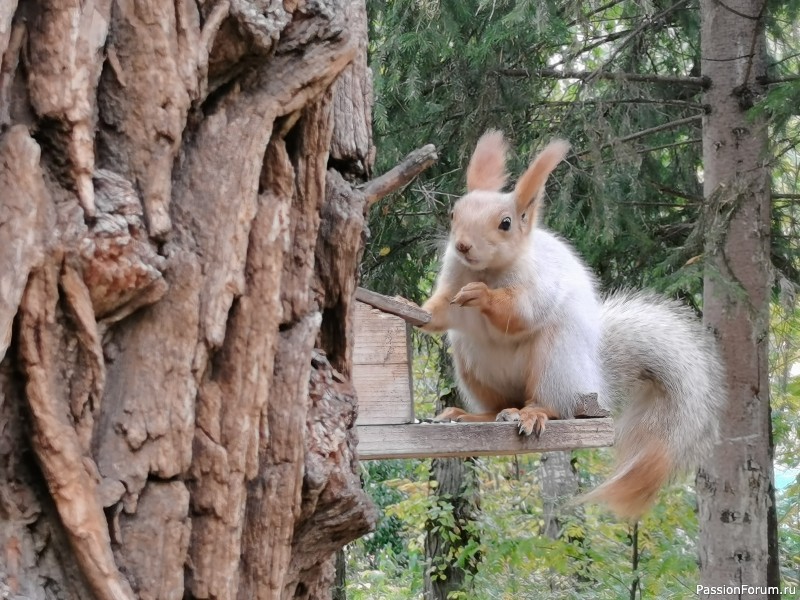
(176, 260)
(738, 535)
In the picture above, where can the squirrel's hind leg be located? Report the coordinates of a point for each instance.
(478, 395)
(533, 416)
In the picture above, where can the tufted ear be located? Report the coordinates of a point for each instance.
(530, 187)
(487, 167)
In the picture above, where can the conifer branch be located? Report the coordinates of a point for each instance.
(645, 132)
(594, 44)
(776, 80)
(677, 193)
(646, 22)
(613, 101)
(598, 10)
(671, 145)
(688, 81)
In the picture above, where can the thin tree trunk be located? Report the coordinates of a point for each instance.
(738, 527)
(177, 271)
(456, 484)
(558, 482)
(339, 591)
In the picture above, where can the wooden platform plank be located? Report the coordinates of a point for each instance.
(426, 440)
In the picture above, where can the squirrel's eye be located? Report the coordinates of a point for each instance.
(505, 224)
(452, 212)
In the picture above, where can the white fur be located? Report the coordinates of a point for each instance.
(665, 375)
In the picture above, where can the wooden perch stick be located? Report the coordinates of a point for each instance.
(402, 174)
(405, 309)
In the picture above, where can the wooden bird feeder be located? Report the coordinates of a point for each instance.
(386, 424)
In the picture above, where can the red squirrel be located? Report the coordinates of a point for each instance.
(531, 335)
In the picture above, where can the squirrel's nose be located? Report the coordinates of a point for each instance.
(463, 248)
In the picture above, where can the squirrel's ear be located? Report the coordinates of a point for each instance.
(530, 187)
(487, 167)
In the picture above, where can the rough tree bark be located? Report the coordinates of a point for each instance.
(179, 233)
(738, 527)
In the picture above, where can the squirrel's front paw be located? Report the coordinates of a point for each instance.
(472, 294)
(437, 308)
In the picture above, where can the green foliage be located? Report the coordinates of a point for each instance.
(389, 562)
(592, 559)
(458, 72)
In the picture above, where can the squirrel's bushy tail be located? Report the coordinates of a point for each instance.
(666, 387)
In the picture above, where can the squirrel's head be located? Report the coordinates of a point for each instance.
(490, 227)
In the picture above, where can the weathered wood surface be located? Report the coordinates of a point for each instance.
(424, 440)
(409, 312)
(589, 407)
(383, 394)
(381, 367)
